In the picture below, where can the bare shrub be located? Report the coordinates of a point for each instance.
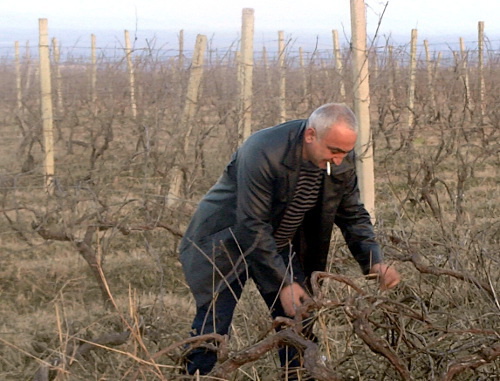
(107, 238)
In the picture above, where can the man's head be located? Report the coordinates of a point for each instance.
(330, 134)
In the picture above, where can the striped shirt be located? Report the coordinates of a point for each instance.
(305, 198)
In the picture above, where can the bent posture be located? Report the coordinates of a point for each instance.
(270, 217)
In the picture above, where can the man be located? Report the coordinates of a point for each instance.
(270, 216)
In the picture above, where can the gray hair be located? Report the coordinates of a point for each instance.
(329, 114)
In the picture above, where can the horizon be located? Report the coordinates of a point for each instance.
(141, 37)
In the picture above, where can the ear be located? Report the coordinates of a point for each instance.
(309, 135)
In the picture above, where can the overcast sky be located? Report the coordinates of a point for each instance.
(431, 17)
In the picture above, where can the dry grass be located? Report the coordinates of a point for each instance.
(437, 199)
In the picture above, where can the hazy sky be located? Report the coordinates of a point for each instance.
(430, 17)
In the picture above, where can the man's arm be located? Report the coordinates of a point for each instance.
(354, 221)
(357, 229)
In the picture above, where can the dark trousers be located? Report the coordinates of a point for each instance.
(216, 318)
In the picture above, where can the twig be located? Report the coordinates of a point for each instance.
(485, 356)
(433, 270)
(365, 332)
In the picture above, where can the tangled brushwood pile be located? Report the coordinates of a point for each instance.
(359, 334)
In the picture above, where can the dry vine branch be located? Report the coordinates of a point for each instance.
(85, 247)
(416, 260)
(363, 329)
(319, 275)
(194, 342)
(484, 356)
(284, 337)
(291, 336)
(362, 310)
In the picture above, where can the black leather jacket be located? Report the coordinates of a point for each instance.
(231, 232)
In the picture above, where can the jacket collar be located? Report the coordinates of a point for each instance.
(293, 156)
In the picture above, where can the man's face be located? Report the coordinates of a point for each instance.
(333, 146)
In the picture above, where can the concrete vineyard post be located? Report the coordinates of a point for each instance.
(131, 76)
(465, 75)
(338, 63)
(193, 87)
(393, 72)
(430, 76)
(364, 144)
(181, 48)
(57, 69)
(246, 74)
(19, 91)
(282, 77)
(30, 67)
(46, 105)
(412, 77)
(480, 50)
(186, 124)
(93, 71)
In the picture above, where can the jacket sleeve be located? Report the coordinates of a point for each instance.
(256, 175)
(354, 221)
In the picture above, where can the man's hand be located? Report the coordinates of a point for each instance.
(292, 297)
(388, 276)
